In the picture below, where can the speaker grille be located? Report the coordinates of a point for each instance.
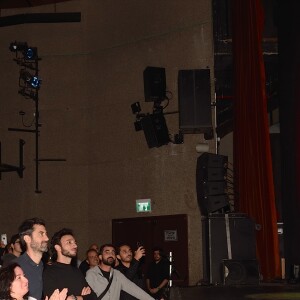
(211, 182)
(240, 272)
(194, 94)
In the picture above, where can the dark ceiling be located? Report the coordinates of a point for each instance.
(26, 3)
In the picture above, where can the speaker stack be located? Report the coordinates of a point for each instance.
(229, 243)
(211, 175)
(229, 249)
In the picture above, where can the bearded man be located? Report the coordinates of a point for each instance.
(34, 241)
(108, 282)
(61, 273)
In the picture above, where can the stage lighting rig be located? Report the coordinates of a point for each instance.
(30, 53)
(154, 125)
(29, 80)
(27, 58)
(18, 46)
(25, 55)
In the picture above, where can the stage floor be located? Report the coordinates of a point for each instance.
(255, 292)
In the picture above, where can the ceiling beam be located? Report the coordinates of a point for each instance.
(40, 18)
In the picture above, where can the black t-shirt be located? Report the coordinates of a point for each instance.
(157, 272)
(59, 276)
(105, 274)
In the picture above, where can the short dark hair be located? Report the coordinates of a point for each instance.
(14, 238)
(161, 251)
(56, 240)
(118, 249)
(26, 228)
(7, 276)
(105, 245)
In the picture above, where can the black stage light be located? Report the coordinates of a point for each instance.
(30, 53)
(30, 80)
(155, 130)
(18, 46)
(136, 107)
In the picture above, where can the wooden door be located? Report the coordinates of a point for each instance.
(168, 232)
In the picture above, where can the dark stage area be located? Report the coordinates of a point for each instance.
(259, 292)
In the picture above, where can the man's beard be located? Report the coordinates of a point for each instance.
(110, 262)
(68, 254)
(43, 247)
(127, 259)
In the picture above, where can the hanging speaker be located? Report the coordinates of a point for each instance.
(194, 95)
(238, 272)
(211, 160)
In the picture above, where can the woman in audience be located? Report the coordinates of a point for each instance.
(14, 285)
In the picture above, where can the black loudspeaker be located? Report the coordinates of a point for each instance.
(194, 94)
(238, 235)
(211, 182)
(154, 84)
(155, 130)
(238, 272)
(211, 174)
(214, 188)
(212, 203)
(211, 160)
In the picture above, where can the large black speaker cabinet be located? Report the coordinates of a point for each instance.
(224, 234)
(155, 130)
(238, 272)
(213, 203)
(154, 84)
(194, 94)
(212, 160)
(211, 183)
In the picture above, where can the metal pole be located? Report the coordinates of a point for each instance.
(170, 269)
(37, 117)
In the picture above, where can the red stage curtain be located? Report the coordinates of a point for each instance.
(252, 154)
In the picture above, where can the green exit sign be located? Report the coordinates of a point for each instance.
(143, 205)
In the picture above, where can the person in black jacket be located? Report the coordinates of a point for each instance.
(62, 274)
(157, 278)
(129, 265)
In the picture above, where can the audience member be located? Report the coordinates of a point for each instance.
(158, 274)
(2, 251)
(130, 267)
(108, 282)
(15, 250)
(34, 240)
(14, 284)
(92, 260)
(61, 273)
(95, 247)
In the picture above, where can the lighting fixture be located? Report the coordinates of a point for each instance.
(30, 80)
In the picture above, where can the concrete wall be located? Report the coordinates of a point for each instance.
(92, 72)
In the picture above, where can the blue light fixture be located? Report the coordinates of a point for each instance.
(32, 81)
(30, 53)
